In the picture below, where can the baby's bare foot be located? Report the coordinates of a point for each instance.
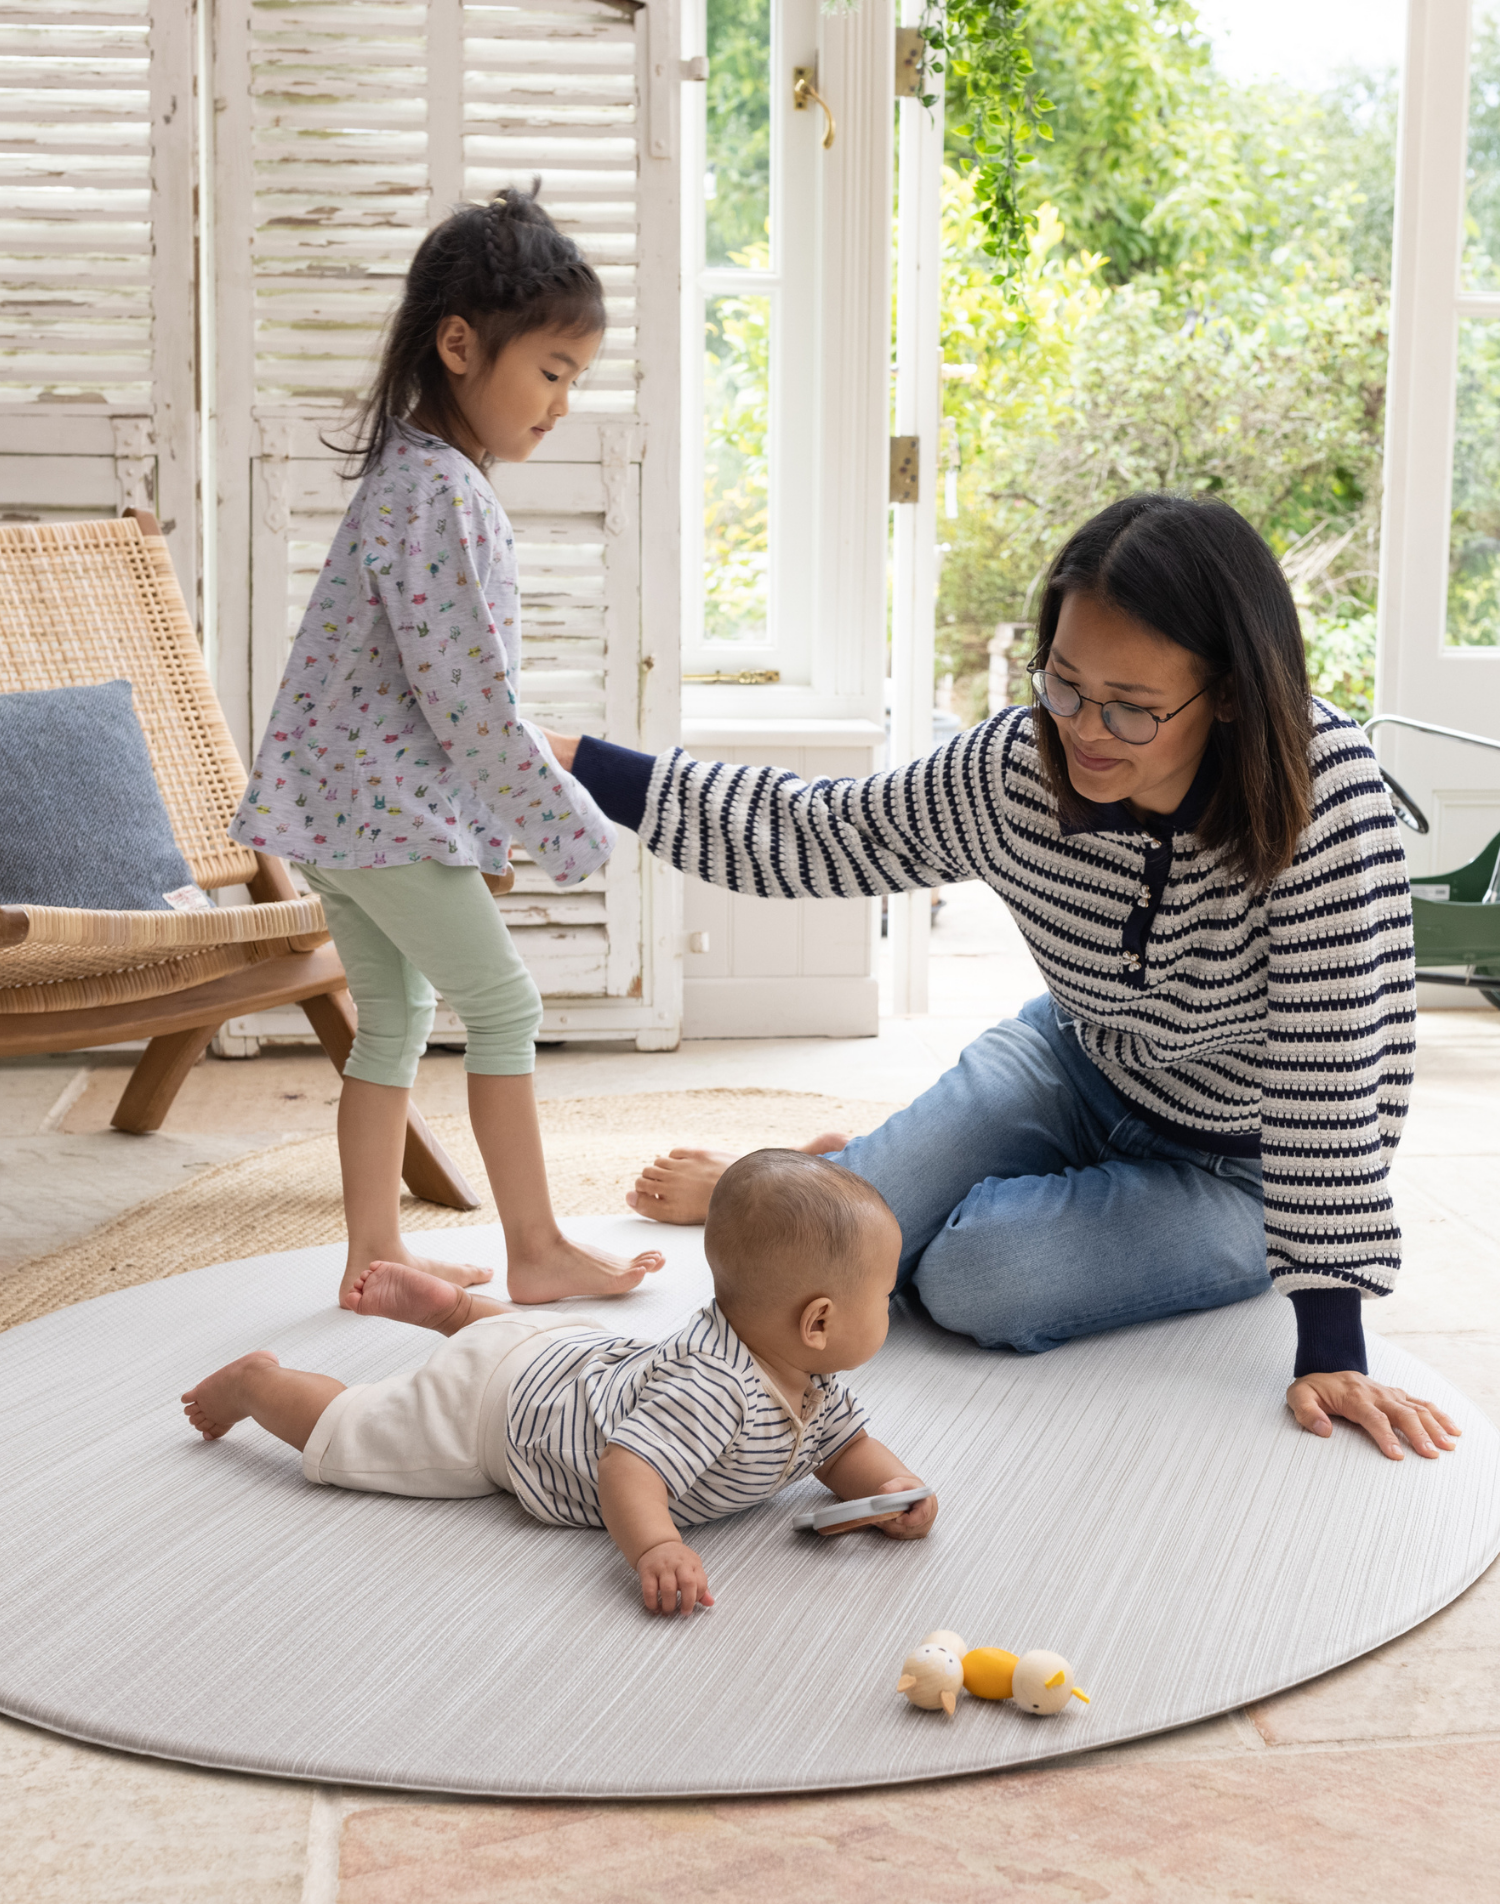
(459, 1275)
(403, 1294)
(573, 1269)
(677, 1188)
(218, 1402)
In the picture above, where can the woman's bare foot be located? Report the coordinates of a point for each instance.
(566, 1268)
(459, 1275)
(218, 1402)
(403, 1294)
(677, 1188)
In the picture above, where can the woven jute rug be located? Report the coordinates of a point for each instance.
(287, 1196)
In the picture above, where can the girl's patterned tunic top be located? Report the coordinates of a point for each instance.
(395, 734)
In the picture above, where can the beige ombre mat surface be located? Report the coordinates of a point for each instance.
(288, 1196)
(1140, 1502)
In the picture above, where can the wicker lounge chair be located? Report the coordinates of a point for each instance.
(88, 602)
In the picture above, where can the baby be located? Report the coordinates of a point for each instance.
(592, 1429)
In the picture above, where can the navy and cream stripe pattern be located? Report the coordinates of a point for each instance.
(695, 1407)
(1289, 1014)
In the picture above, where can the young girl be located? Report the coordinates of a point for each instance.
(396, 769)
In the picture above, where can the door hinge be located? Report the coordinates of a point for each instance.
(909, 51)
(904, 469)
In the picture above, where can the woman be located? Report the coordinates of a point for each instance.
(1204, 864)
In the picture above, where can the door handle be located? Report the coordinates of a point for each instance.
(805, 89)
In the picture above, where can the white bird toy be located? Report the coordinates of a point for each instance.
(933, 1675)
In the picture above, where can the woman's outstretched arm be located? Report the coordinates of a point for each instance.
(766, 831)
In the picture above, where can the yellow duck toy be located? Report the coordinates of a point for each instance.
(942, 1667)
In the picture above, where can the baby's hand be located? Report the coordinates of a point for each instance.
(670, 1571)
(918, 1518)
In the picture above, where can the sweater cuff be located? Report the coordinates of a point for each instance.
(619, 778)
(1330, 1334)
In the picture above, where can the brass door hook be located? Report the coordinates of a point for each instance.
(805, 88)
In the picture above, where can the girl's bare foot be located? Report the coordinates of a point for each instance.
(458, 1275)
(566, 1268)
(218, 1402)
(403, 1294)
(677, 1188)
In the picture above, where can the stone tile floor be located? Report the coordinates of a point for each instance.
(1378, 1780)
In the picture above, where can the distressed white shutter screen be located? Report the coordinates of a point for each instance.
(344, 128)
(97, 291)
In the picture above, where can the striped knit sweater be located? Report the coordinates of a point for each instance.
(1289, 1016)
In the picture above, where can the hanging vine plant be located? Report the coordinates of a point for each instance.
(983, 43)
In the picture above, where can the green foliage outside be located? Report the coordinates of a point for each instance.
(737, 416)
(1474, 551)
(1203, 307)
(736, 373)
(739, 127)
(981, 49)
(1206, 292)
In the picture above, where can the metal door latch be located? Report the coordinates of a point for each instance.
(746, 678)
(805, 90)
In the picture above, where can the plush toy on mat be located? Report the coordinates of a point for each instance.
(942, 1665)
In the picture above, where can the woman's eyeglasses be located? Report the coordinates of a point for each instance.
(1136, 726)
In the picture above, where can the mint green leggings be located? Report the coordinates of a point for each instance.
(403, 930)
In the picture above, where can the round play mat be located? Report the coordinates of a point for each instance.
(1140, 1502)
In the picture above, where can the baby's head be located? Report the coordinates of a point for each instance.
(804, 1257)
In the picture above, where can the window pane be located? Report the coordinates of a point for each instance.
(1474, 538)
(737, 187)
(736, 420)
(1481, 270)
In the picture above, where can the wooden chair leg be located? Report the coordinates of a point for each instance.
(158, 1077)
(331, 1016)
(429, 1171)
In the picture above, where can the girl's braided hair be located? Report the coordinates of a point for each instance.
(503, 267)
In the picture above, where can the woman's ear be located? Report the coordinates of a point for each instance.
(813, 1327)
(1224, 702)
(455, 345)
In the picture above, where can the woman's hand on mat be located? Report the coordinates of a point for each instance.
(1379, 1410)
(564, 747)
(672, 1578)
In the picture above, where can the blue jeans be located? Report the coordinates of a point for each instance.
(1036, 1206)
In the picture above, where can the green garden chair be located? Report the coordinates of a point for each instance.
(1455, 916)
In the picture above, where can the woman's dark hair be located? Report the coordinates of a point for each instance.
(1198, 574)
(503, 267)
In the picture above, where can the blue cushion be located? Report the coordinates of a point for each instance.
(82, 820)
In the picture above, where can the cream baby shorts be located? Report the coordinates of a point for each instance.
(438, 1430)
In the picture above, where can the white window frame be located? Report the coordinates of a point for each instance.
(1417, 673)
(830, 349)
